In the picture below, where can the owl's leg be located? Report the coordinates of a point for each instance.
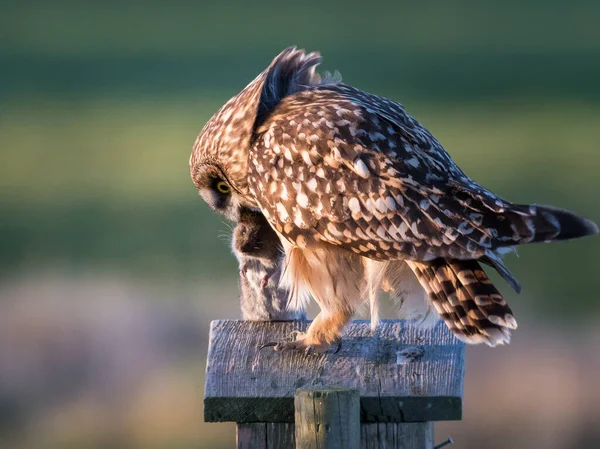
(334, 278)
(324, 331)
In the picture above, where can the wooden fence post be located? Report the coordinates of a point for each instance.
(327, 418)
(407, 377)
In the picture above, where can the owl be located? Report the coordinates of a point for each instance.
(363, 199)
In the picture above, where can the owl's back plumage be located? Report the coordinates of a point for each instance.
(329, 164)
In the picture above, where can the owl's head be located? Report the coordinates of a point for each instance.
(219, 160)
(217, 190)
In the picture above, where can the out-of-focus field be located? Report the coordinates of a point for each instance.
(111, 267)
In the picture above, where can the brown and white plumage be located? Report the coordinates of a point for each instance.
(344, 177)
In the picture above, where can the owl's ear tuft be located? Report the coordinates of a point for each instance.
(290, 72)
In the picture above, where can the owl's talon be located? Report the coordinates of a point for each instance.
(268, 345)
(339, 347)
(302, 343)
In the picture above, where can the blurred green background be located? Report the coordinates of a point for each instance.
(111, 266)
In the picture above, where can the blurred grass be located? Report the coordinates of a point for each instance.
(441, 50)
(178, 27)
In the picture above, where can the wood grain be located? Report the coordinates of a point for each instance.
(265, 436)
(327, 418)
(372, 436)
(404, 373)
(280, 436)
(251, 436)
(397, 435)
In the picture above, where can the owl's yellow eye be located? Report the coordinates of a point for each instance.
(223, 187)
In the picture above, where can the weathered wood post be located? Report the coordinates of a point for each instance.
(327, 418)
(407, 378)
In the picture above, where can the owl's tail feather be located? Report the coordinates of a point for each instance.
(494, 261)
(466, 300)
(537, 223)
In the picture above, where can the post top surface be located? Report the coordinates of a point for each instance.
(403, 372)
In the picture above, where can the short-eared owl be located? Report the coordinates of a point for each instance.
(357, 190)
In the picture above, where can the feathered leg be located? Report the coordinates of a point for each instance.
(334, 278)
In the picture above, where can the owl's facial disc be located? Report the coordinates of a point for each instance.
(215, 189)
